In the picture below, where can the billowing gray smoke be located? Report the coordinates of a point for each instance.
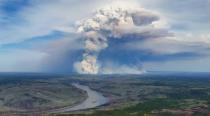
(112, 23)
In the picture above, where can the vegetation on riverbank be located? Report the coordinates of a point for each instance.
(153, 95)
(130, 95)
(36, 94)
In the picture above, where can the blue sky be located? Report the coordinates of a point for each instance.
(42, 36)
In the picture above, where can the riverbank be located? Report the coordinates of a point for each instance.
(94, 99)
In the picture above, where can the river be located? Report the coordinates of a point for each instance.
(93, 100)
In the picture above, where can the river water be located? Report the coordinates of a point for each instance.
(93, 100)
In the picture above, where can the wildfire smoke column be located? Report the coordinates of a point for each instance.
(111, 23)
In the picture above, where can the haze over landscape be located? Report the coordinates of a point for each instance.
(104, 57)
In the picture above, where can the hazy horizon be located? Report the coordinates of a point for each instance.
(104, 36)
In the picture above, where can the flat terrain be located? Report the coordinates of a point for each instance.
(182, 94)
(36, 93)
(152, 95)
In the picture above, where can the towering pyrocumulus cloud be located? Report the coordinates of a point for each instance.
(113, 23)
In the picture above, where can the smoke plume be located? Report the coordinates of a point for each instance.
(113, 23)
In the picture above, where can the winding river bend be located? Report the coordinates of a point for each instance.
(94, 99)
